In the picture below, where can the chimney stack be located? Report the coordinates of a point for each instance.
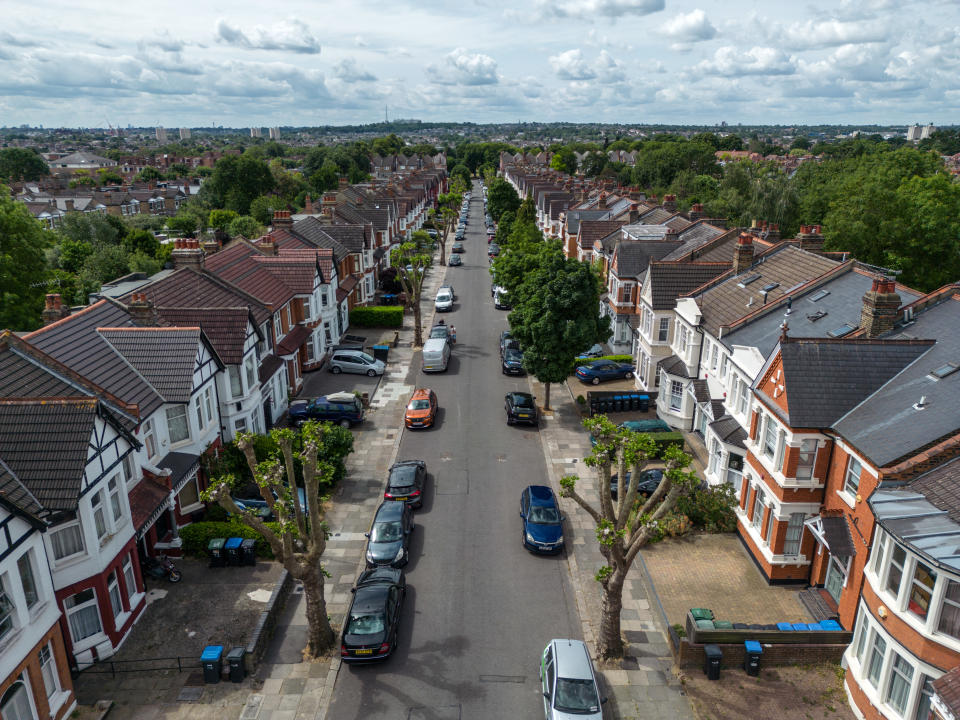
(773, 232)
(308, 205)
(267, 246)
(810, 238)
(696, 212)
(282, 219)
(68, 204)
(880, 304)
(670, 203)
(327, 203)
(141, 310)
(54, 309)
(187, 253)
(743, 253)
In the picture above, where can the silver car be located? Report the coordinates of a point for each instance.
(568, 682)
(355, 361)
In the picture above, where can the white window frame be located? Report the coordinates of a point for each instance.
(250, 372)
(758, 508)
(235, 379)
(676, 395)
(116, 500)
(100, 526)
(791, 544)
(768, 437)
(72, 527)
(150, 439)
(113, 593)
(82, 607)
(806, 459)
(129, 579)
(48, 670)
(8, 609)
(850, 477)
(175, 415)
(32, 597)
(663, 330)
(194, 481)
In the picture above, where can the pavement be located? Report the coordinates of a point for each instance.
(287, 688)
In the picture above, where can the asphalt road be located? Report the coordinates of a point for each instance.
(479, 607)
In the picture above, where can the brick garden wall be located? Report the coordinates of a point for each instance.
(691, 656)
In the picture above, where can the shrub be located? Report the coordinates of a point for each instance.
(710, 508)
(664, 440)
(381, 316)
(197, 536)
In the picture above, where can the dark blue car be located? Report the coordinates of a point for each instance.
(604, 370)
(542, 521)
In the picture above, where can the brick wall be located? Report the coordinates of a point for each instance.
(691, 656)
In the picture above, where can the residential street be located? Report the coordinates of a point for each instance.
(479, 607)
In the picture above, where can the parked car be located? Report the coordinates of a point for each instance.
(508, 344)
(444, 300)
(648, 482)
(440, 331)
(568, 682)
(455, 260)
(388, 542)
(504, 336)
(604, 370)
(405, 482)
(500, 301)
(512, 362)
(421, 411)
(435, 356)
(248, 498)
(371, 623)
(641, 426)
(493, 250)
(355, 361)
(432, 233)
(521, 408)
(344, 409)
(542, 520)
(594, 352)
(457, 247)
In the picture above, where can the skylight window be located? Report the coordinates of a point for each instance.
(746, 280)
(842, 331)
(819, 295)
(770, 286)
(817, 315)
(944, 370)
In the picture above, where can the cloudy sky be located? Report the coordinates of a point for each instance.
(301, 62)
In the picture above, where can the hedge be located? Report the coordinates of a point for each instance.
(663, 440)
(198, 535)
(586, 361)
(380, 316)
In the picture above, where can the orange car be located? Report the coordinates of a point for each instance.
(422, 409)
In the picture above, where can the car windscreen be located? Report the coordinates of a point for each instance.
(522, 401)
(576, 696)
(421, 404)
(365, 624)
(386, 532)
(544, 515)
(512, 355)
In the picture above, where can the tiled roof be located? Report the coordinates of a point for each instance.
(15, 494)
(164, 356)
(657, 216)
(292, 341)
(694, 237)
(349, 236)
(295, 268)
(632, 258)
(315, 232)
(887, 426)
(787, 267)
(268, 367)
(947, 688)
(236, 265)
(670, 280)
(677, 222)
(186, 288)
(225, 327)
(941, 487)
(825, 378)
(75, 342)
(146, 499)
(701, 392)
(729, 431)
(674, 366)
(45, 443)
(593, 230)
(575, 217)
(836, 532)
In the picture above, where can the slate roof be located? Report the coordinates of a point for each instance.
(674, 366)
(701, 392)
(224, 327)
(632, 258)
(886, 426)
(315, 232)
(836, 532)
(694, 237)
(292, 341)
(729, 431)
(351, 237)
(268, 367)
(187, 288)
(75, 342)
(45, 444)
(575, 217)
(657, 216)
(941, 487)
(826, 377)
(839, 300)
(670, 280)
(726, 303)
(164, 356)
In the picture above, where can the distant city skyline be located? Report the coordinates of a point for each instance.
(624, 61)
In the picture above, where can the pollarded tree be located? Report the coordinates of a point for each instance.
(628, 523)
(300, 535)
(411, 262)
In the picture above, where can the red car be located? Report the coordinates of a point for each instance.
(421, 411)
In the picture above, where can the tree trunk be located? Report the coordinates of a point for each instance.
(609, 643)
(417, 330)
(546, 396)
(443, 243)
(320, 637)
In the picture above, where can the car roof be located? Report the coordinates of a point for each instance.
(370, 599)
(518, 394)
(542, 495)
(406, 471)
(389, 511)
(572, 659)
(421, 393)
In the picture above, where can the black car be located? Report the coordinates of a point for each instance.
(344, 409)
(521, 408)
(504, 336)
(457, 247)
(508, 344)
(512, 362)
(370, 626)
(649, 481)
(406, 481)
(389, 537)
(455, 260)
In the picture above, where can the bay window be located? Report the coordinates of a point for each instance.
(129, 579)
(8, 610)
(875, 663)
(48, 669)
(757, 509)
(236, 385)
(83, 617)
(113, 490)
(901, 675)
(794, 534)
(898, 559)
(663, 332)
(676, 395)
(250, 368)
(99, 519)
(949, 623)
(769, 437)
(27, 580)
(921, 590)
(806, 458)
(149, 439)
(113, 589)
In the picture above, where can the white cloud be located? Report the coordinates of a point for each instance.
(461, 67)
(570, 65)
(591, 8)
(290, 35)
(349, 71)
(732, 61)
(690, 28)
(831, 33)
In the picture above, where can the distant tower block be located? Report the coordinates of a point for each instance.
(256, 132)
(161, 135)
(184, 133)
(274, 133)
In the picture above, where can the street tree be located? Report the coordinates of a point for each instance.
(299, 537)
(555, 314)
(448, 209)
(22, 265)
(628, 523)
(411, 261)
(501, 198)
(20, 164)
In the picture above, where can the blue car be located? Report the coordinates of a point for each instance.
(604, 370)
(542, 520)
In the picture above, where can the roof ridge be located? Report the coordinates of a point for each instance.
(151, 328)
(78, 313)
(78, 400)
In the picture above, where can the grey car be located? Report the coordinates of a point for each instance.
(355, 361)
(568, 682)
(388, 541)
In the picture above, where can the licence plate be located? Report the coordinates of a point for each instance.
(401, 499)
(363, 652)
(526, 415)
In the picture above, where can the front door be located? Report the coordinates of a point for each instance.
(835, 577)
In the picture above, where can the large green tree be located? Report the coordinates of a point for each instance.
(501, 198)
(20, 164)
(23, 270)
(236, 182)
(564, 160)
(411, 261)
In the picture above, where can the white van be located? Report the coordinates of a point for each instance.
(436, 355)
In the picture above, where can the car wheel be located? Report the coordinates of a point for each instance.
(595, 381)
(335, 370)
(345, 424)
(371, 373)
(627, 375)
